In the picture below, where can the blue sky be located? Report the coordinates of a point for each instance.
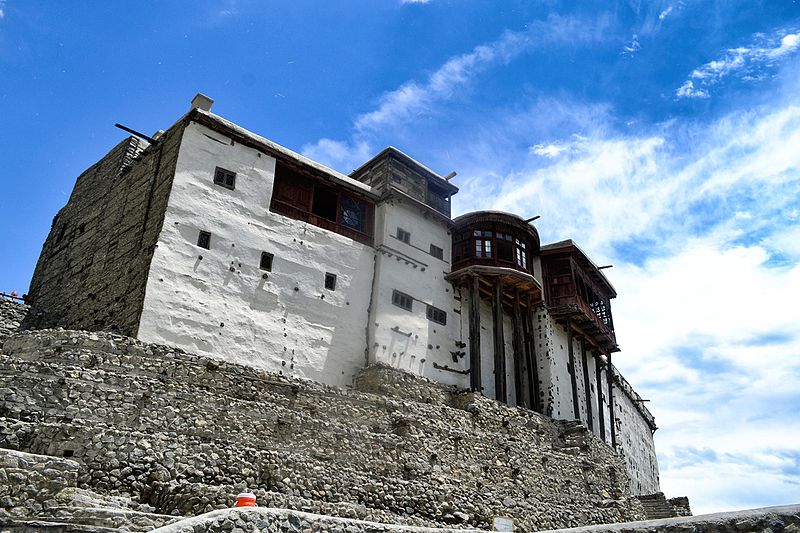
(662, 136)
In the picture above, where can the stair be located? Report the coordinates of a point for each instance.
(656, 506)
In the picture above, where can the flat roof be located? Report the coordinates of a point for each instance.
(225, 126)
(569, 246)
(392, 151)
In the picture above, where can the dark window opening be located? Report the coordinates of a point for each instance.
(204, 240)
(437, 252)
(403, 235)
(436, 315)
(325, 203)
(402, 300)
(69, 453)
(225, 178)
(353, 213)
(301, 197)
(505, 251)
(330, 281)
(266, 261)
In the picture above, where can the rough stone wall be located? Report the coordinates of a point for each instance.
(92, 270)
(12, 314)
(184, 433)
(29, 483)
(768, 520)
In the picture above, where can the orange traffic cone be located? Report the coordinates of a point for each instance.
(245, 499)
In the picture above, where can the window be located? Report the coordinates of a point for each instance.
(436, 315)
(403, 235)
(302, 197)
(330, 281)
(204, 240)
(437, 252)
(353, 213)
(483, 248)
(401, 299)
(266, 261)
(324, 203)
(225, 178)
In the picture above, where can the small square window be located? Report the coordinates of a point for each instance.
(437, 252)
(402, 300)
(266, 261)
(435, 314)
(225, 178)
(204, 240)
(403, 235)
(330, 281)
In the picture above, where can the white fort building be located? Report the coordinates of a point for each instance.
(215, 240)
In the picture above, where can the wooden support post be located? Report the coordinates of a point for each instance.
(530, 354)
(610, 378)
(520, 361)
(586, 388)
(499, 343)
(475, 335)
(576, 411)
(598, 370)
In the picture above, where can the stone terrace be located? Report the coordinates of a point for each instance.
(181, 434)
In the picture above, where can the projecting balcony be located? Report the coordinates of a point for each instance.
(577, 291)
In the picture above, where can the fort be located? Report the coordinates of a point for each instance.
(212, 312)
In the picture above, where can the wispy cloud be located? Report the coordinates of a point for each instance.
(2, 9)
(688, 90)
(664, 14)
(417, 98)
(414, 1)
(633, 46)
(745, 62)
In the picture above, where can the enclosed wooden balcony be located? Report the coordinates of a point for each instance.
(577, 291)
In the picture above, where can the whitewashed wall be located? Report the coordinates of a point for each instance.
(221, 305)
(407, 339)
(635, 443)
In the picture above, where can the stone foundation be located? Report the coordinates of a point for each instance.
(182, 434)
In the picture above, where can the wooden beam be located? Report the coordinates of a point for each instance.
(573, 381)
(520, 361)
(530, 356)
(588, 394)
(475, 335)
(598, 369)
(499, 344)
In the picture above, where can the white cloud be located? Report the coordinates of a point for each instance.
(414, 1)
(632, 47)
(2, 9)
(664, 14)
(688, 90)
(747, 62)
(414, 98)
(337, 154)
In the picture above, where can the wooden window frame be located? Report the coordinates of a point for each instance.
(400, 299)
(434, 314)
(204, 239)
(221, 178)
(330, 281)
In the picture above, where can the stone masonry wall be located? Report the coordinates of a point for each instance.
(260, 520)
(12, 313)
(93, 267)
(184, 434)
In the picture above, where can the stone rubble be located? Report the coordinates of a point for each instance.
(180, 434)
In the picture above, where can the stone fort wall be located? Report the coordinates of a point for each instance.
(183, 434)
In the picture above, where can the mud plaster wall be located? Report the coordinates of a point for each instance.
(635, 443)
(93, 266)
(219, 301)
(404, 339)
